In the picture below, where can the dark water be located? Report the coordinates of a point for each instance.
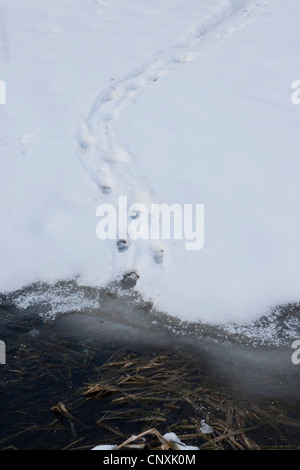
(51, 358)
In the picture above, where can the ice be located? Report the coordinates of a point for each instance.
(104, 447)
(205, 428)
(162, 102)
(172, 437)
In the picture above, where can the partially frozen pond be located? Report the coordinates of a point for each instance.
(148, 369)
(254, 357)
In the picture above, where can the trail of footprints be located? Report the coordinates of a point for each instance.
(106, 161)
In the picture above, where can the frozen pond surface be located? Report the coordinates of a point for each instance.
(253, 358)
(60, 338)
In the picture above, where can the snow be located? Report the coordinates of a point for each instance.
(172, 437)
(61, 298)
(162, 102)
(104, 447)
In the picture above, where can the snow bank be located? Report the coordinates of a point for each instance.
(159, 102)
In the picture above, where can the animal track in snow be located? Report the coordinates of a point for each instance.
(106, 161)
(158, 255)
(123, 245)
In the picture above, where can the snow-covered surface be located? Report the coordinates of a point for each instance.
(104, 447)
(50, 301)
(160, 101)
